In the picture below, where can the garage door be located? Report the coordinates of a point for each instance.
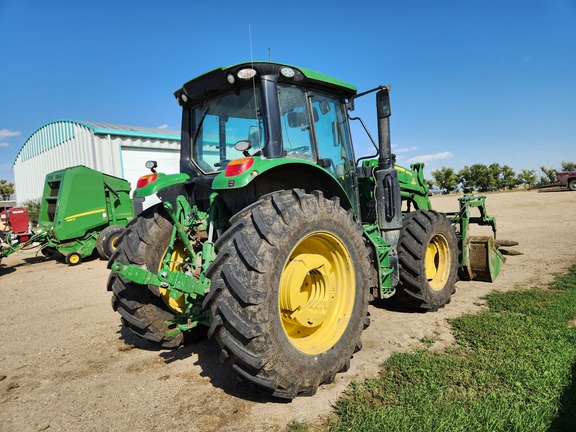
(133, 160)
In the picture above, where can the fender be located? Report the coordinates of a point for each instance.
(241, 172)
(162, 181)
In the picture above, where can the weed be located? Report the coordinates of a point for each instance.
(295, 426)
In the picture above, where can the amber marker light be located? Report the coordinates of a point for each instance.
(145, 180)
(238, 166)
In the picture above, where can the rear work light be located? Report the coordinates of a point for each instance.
(145, 180)
(238, 166)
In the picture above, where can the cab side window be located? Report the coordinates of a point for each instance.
(333, 136)
(296, 133)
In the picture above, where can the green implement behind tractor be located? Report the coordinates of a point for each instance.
(82, 209)
(275, 236)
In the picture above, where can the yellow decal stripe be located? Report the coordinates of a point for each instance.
(69, 218)
(399, 168)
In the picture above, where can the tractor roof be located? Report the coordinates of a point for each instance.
(217, 80)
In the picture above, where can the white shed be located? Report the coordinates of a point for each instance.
(114, 149)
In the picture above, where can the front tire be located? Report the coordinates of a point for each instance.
(428, 256)
(289, 293)
(572, 185)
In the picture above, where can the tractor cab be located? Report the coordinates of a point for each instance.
(233, 116)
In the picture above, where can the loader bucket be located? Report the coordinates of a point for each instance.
(484, 259)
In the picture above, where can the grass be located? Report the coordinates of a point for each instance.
(513, 369)
(296, 426)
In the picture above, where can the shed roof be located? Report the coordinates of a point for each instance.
(125, 130)
(54, 133)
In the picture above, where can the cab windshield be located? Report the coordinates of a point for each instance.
(220, 123)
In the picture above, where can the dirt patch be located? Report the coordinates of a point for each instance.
(65, 363)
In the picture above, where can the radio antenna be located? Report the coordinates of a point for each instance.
(256, 107)
(250, 36)
(269, 54)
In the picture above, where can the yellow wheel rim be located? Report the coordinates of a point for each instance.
(316, 294)
(113, 243)
(437, 262)
(178, 258)
(74, 259)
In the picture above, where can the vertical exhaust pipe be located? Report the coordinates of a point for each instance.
(388, 198)
(384, 112)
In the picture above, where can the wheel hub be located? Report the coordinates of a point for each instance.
(305, 298)
(316, 293)
(437, 262)
(177, 260)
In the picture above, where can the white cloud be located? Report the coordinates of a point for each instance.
(4, 144)
(7, 133)
(164, 126)
(5, 167)
(403, 149)
(431, 157)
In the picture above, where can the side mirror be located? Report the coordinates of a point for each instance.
(383, 103)
(294, 119)
(254, 135)
(151, 165)
(324, 106)
(243, 146)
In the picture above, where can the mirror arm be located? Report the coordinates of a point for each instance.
(350, 104)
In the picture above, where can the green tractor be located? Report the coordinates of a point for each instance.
(275, 237)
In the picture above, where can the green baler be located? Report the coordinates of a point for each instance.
(82, 209)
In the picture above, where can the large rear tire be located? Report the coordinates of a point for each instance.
(142, 307)
(289, 293)
(572, 185)
(428, 255)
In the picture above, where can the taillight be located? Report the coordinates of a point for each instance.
(238, 166)
(146, 180)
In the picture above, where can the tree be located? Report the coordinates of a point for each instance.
(495, 181)
(568, 166)
(446, 178)
(527, 178)
(549, 176)
(476, 177)
(465, 178)
(33, 207)
(6, 190)
(508, 177)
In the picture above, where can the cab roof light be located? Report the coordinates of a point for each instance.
(246, 73)
(287, 72)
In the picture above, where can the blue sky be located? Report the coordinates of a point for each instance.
(472, 81)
